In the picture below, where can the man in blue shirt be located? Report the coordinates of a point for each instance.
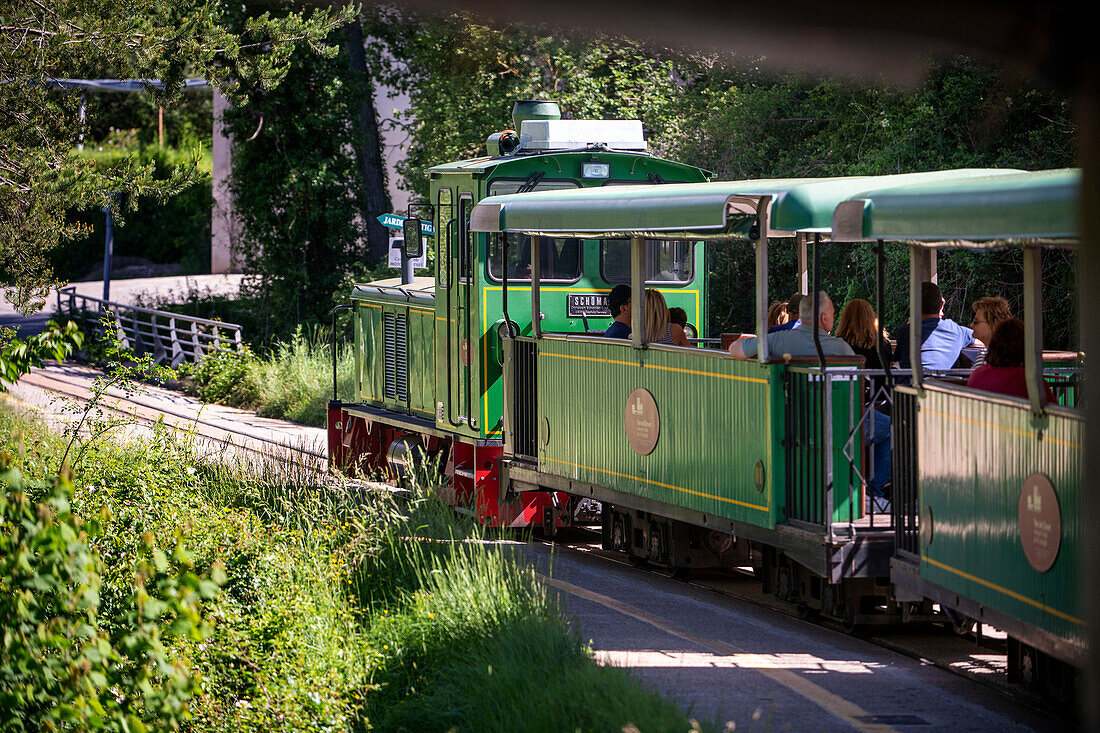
(942, 340)
(618, 302)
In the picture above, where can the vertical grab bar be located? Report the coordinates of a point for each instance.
(470, 420)
(450, 346)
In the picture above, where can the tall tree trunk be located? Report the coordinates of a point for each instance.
(374, 196)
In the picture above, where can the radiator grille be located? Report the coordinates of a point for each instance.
(395, 356)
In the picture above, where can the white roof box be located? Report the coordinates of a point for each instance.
(572, 134)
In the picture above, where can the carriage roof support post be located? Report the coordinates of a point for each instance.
(637, 292)
(536, 277)
(762, 282)
(817, 302)
(916, 276)
(1033, 328)
(880, 305)
(803, 268)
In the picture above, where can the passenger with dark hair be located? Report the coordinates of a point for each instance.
(777, 314)
(942, 340)
(618, 302)
(793, 320)
(1003, 371)
(678, 316)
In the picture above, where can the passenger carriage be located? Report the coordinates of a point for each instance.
(988, 491)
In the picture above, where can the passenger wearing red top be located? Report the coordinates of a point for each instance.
(1003, 371)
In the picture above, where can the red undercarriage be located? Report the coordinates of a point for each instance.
(472, 473)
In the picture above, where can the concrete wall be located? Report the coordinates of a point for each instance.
(224, 225)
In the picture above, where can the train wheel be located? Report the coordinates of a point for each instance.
(960, 624)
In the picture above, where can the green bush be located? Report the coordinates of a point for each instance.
(228, 377)
(62, 664)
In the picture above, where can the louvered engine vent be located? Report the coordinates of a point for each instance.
(395, 356)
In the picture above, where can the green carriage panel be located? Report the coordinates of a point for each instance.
(975, 455)
(703, 400)
(368, 352)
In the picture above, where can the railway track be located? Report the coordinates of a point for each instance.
(216, 426)
(980, 658)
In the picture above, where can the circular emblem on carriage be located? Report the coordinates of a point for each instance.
(1040, 522)
(759, 477)
(464, 351)
(642, 421)
(927, 528)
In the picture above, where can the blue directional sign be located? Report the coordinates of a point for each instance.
(396, 221)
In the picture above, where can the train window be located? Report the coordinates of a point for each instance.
(666, 261)
(561, 258)
(465, 236)
(444, 212)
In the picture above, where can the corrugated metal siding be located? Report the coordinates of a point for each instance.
(974, 457)
(422, 361)
(714, 425)
(395, 356)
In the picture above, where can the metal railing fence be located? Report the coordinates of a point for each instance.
(170, 338)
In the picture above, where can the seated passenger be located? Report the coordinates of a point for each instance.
(777, 314)
(658, 328)
(1003, 371)
(857, 328)
(799, 341)
(793, 321)
(942, 340)
(678, 316)
(989, 312)
(618, 302)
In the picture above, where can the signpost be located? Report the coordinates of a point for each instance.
(396, 221)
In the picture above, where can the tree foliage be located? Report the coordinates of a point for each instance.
(295, 185)
(40, 174)
(730, 116)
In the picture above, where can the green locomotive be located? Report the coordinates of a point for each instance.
(429, 353)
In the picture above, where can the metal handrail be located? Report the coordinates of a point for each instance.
(175, 339)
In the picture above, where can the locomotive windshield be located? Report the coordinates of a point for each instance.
(665, 261)
(561, 258)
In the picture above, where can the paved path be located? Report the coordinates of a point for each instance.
(727, 660)
(129, 292)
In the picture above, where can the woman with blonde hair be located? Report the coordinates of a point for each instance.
(658, 328)
(857, 327)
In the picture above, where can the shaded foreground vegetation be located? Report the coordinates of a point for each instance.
(159, 586)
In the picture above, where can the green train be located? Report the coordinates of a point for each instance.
(701, 460)
(429, 354)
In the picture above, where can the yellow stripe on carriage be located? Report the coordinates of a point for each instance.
(1001, 589)
(734, 377)
(1003, 429)
(693, 492)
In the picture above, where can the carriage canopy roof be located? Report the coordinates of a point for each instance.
(967, 212)
(717, 209)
